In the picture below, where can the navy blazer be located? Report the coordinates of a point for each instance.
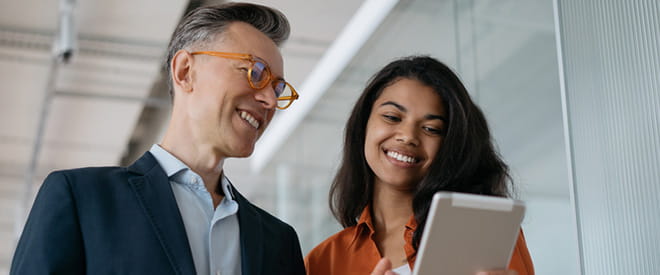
(125, 220)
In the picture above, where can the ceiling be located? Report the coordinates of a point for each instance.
(109, 103)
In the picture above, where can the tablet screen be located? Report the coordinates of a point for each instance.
(467, 233)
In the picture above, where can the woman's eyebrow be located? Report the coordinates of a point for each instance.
(397, 105)
(403, 109)
(439, 117)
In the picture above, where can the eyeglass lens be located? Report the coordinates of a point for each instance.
(283, 93)
(260, 74)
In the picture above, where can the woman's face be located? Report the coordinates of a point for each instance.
(404, 133)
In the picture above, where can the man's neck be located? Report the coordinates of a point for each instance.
(203, 161)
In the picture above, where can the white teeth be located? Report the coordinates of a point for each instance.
(401, 157)
(250, 119)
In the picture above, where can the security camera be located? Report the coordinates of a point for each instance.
(65, 42)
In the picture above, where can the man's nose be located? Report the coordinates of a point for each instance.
(266, 96)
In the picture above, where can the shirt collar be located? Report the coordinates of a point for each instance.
(227, 188)
(366, 223)
(365, 219)
(172, 165)
(412, 223)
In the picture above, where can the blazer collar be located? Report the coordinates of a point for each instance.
(251, 227)
(154, 193)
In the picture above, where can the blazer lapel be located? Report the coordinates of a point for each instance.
(251, 229)
(152, 189)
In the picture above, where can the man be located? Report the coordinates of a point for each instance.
(173, 211)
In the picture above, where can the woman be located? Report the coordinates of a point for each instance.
(413, 132)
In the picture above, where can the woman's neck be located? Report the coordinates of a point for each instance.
(391, 208)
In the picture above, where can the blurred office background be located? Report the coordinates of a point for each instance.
(570, 89)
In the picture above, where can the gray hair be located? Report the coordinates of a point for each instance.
(204, 24)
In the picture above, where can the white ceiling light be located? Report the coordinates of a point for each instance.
(65, 43)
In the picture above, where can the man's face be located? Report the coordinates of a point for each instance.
(223, 112)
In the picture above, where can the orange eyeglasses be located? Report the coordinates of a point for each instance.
(259, 75)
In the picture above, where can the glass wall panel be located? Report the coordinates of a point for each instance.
(611, 63)
(508, 56)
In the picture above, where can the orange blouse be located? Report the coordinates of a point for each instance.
(353, 251)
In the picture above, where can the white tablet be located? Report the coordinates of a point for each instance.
(467, 233)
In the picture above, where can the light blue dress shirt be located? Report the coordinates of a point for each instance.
(213, 234)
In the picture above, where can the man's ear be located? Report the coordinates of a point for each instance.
(181, 71)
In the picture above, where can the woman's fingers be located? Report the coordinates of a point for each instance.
(384, 267)
(498, 272)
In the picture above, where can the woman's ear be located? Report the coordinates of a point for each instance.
(181, 71)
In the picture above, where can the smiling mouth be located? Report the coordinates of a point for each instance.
(402, 158)
(250, 119)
